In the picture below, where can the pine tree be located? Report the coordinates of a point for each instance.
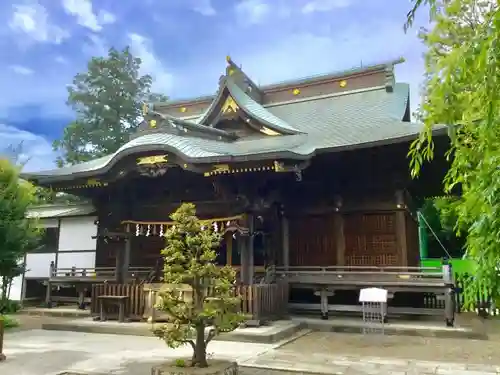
(189, 259)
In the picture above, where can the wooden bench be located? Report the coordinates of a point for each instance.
(120, 301)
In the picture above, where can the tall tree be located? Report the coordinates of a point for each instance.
(107, 99)
(462, 90)
(18, 233)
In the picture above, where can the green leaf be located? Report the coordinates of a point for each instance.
(462, 90)
(107, 100)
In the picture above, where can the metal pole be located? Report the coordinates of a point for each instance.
(423, 239)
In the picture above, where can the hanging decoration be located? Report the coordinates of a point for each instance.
(221, 225)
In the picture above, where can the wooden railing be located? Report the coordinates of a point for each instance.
(361, 275)
(259, 302)
(263, 302)
(97, 274)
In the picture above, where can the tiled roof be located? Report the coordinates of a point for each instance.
(328, 123)
(260, 113)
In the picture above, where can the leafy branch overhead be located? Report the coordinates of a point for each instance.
(462, 91)
(198, 295)
(107, 99)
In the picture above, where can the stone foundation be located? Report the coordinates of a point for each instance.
(215, 367)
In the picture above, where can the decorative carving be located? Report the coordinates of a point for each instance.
(153, 166)
(152, 123)
(145, 109)
(150, 160)
(93, 182)
(229, 106)
(279, 166)
(268, 131)
(220, 168)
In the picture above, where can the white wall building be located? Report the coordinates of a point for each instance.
(67, 241)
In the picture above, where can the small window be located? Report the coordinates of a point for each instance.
(48, 241)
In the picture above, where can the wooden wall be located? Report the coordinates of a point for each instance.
(365, 179)
(370, 239)
(312, 240)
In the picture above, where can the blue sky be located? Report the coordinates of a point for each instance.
(183, 44)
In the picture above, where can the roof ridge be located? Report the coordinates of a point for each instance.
(284, 83)
(324, 96)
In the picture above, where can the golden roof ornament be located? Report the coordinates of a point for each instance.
(296, 92)
(145, 109)
(343, 83)
(183, 109)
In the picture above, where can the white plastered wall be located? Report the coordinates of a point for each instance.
(76, 234)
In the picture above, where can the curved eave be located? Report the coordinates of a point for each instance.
(257, 112)
(46, 178)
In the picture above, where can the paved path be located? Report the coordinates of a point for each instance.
(38, 352)
(351, 365)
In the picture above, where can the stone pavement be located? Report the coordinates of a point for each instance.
(38, 352)
(351, 365)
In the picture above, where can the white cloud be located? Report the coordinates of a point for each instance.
(61, 60)
(106, 17)
(85, 16)
(143, 48)
(33, 20)
(36, 150)
(19, 69)
(251, 12)
(204, 7)
(324, 5)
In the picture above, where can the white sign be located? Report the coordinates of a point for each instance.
(373, 295)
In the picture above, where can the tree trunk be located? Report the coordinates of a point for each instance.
(200, 351)
(3, 297)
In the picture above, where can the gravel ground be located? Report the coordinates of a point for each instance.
(407, 347)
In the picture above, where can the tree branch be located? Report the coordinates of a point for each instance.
(191, 342)
(210, 336)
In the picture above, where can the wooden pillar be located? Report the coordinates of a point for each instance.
(246, 250)
(285, 241)
(229, 249)
(119, 265)
(338, 228)
(243, 250)
(126, 257)
(401, 236)
(251, 250)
